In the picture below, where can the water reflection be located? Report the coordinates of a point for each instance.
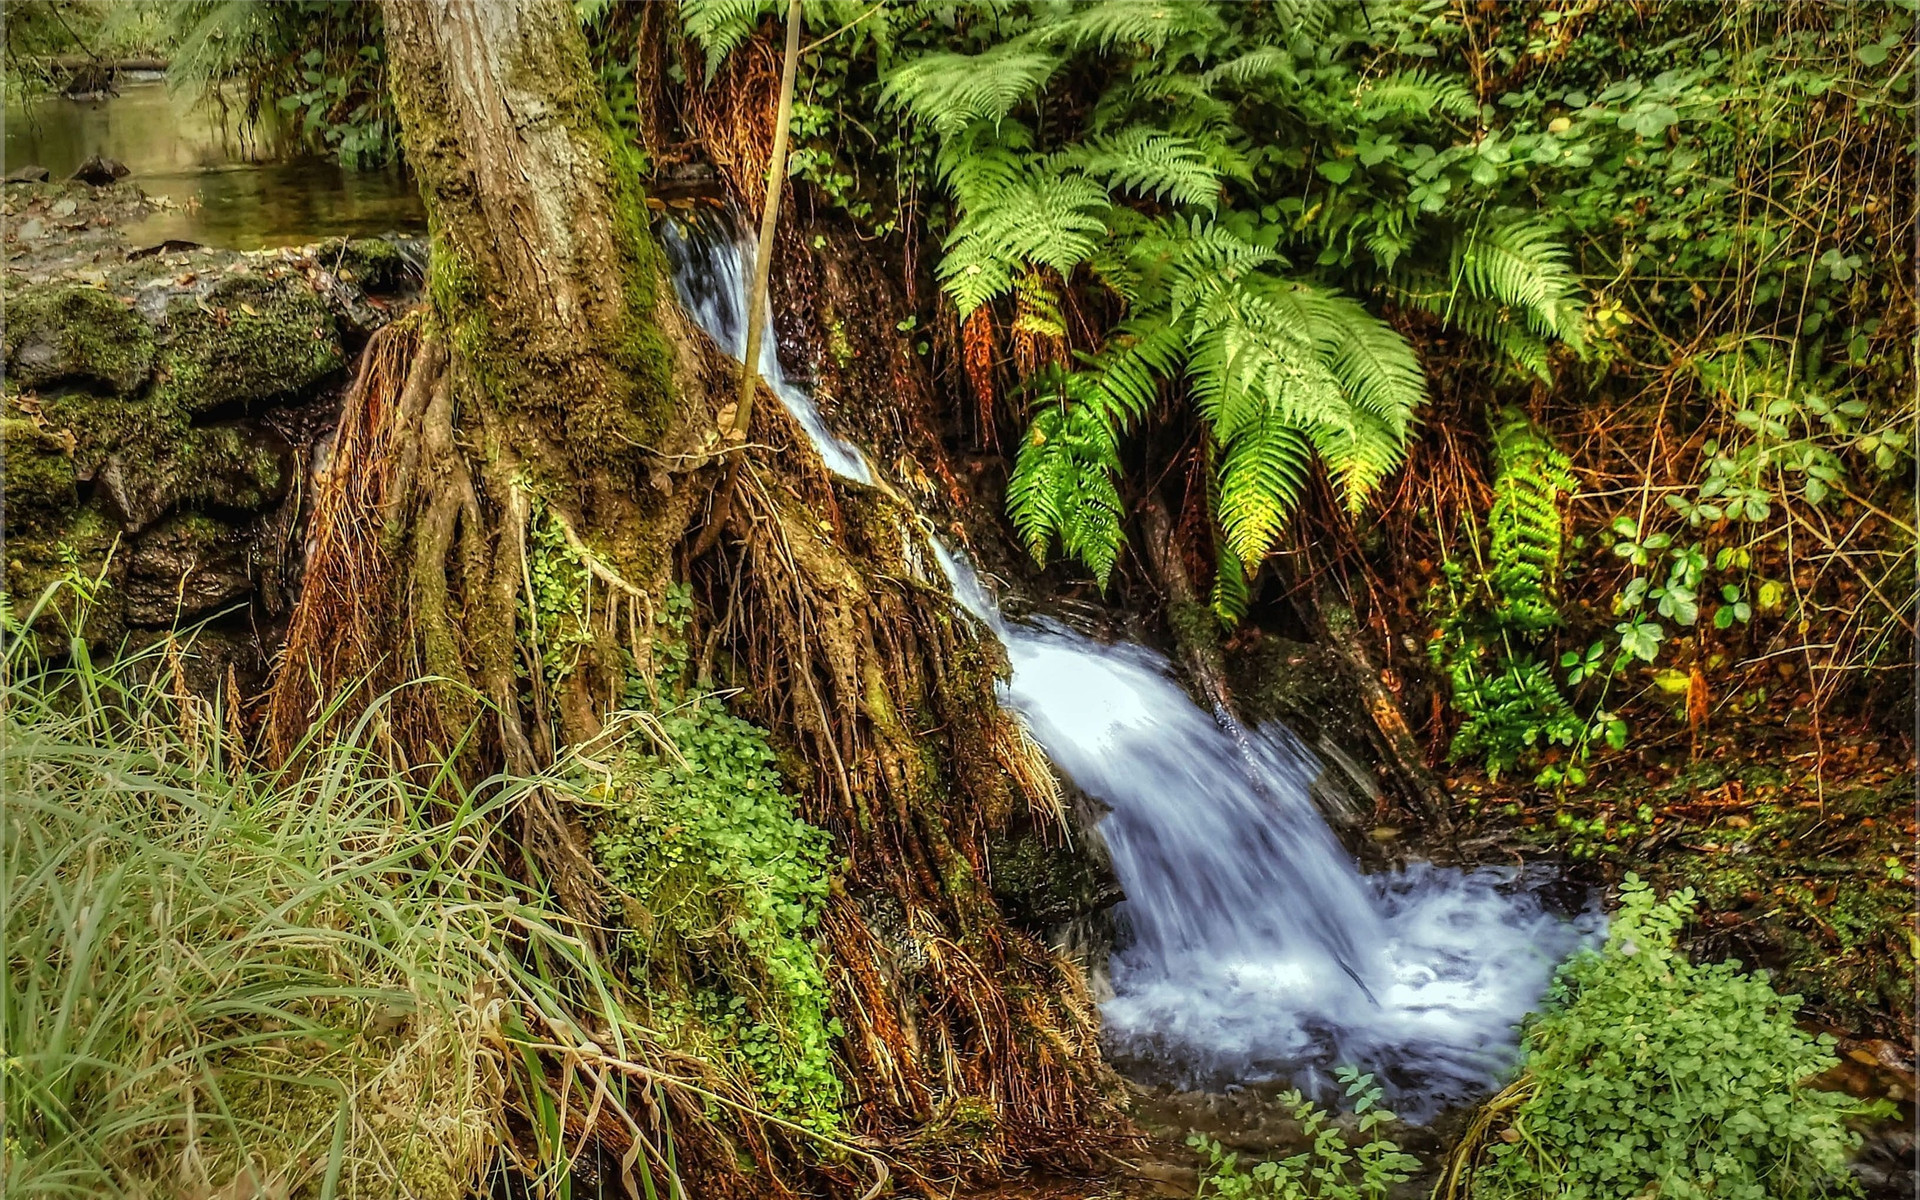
(226, 189)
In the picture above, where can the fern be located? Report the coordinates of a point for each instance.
(720, 25)
(1524, 525)
(1149, 26)
(1041, 218)
(1063, 487)
(952, 91)
(1509, 701)
(1164, 172)
(1415, 93)
(1519, 263)
(1150, 163)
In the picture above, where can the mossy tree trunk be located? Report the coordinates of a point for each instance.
(552, 379)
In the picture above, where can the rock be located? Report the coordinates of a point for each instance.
(63, 332)
(64, 208)
(40, 475)
(191, 566)
(30, 229)
(31, 173)
(98, 171)
(248, 340)
(241, 467)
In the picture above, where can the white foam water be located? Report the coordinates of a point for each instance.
(1251, 948)
(711, 277)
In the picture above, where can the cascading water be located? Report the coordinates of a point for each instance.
(710, 275)
(1252, 947)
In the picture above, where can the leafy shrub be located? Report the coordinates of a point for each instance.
(1652, 1074)
(720, 883)
(1326, 1170)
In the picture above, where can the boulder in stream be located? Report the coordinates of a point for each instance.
(98, 171)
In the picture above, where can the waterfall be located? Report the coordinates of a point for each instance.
(1251, 947)
(710, 275)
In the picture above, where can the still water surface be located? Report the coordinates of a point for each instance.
(227, 189)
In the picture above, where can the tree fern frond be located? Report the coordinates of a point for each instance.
(952, 91)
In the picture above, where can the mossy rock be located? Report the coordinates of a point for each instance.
(39, 474)
(104, 424)
(240, 467)
(370, 264)
(189, 566)
(1040, 885)
(248, 340)
(66, 332)
(83, 545)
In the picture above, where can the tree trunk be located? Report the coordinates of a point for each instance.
(553, 385)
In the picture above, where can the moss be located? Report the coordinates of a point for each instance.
(61, 332)
(134, 428)
(229, 466)
(39, 473)
(371, 264)
(84, 544)
(1195, 627)
(248, 340)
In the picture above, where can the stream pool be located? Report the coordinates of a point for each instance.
(221, 186)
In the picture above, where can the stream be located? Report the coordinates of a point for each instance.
(1250, 947)
(218, 185)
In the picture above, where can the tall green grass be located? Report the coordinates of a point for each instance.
(224, 981)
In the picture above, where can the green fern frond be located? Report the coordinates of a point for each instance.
(1147, 24)
(1063, 488)
(952, 91)
(1152, 163)
(1530, 476)
(1232, 592)
(1056, 221)
(1479, 318)
(1263, 470)
(1416, 93)
(1520, 263)
(1122, 382)
(1260, 63)
(720, 25)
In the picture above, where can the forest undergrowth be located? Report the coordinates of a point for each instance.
(1550, 365)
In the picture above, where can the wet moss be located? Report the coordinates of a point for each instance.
(39, 473)
(83, 545)
(249, 339)
(66, 332)
(371, 264)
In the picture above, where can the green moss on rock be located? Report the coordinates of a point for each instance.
(250, 339)
(39, 473)
(65, 332)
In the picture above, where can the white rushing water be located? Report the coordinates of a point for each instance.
(711, 276)
(1250, 946)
